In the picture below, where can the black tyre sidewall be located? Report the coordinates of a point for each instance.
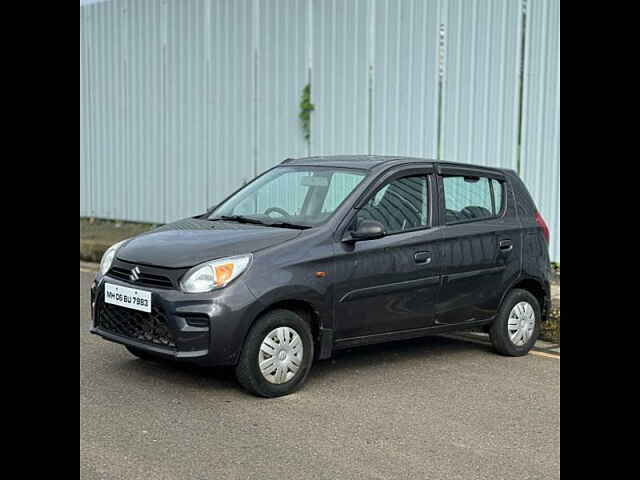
(500, 329)
(248, 370)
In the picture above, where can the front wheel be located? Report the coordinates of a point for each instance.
(517, 327)
(277, 355)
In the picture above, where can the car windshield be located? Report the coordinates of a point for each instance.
(291, 197)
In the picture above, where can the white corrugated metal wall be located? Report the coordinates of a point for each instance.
(540, 167)
(341, 50)
(482, 82)
(406, 78)
(183, 101)
(283, 71)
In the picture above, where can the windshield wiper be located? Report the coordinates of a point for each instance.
(239, 219)
(288, 225)
(255, 221)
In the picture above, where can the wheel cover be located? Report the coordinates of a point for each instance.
(522, 324)
(281, 355)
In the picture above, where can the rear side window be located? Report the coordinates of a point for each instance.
(472, 198)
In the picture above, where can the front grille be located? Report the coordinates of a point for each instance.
(151, 328)
(145, 279)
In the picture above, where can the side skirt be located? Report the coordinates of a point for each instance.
(407, 334)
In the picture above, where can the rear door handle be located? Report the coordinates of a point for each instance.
(506, 245)
(423, 257)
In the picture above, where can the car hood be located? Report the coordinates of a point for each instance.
(190, 242)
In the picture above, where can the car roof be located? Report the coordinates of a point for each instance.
(372, 162)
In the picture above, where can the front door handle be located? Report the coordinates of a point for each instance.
(423, 258)
(506, 245)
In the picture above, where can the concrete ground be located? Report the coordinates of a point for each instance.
(435, 408)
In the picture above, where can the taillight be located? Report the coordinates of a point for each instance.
(545, 228)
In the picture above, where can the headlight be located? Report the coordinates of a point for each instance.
(108, 257)
(215, 275)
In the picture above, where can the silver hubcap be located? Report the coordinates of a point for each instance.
(281, 355)
(522, 324)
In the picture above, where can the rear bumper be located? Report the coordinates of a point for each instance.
(207, 329)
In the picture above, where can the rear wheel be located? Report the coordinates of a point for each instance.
(517, 328)
(277, 355)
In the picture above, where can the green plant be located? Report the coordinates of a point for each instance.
(551, 328)
(307, 108)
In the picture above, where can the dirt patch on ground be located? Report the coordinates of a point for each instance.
(551, 329)
(96, 236)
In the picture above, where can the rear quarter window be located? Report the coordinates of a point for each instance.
(500, 196)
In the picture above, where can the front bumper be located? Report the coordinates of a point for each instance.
(207, 329)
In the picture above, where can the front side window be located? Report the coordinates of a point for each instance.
(303, 196)
(471, 198)
(400, 206)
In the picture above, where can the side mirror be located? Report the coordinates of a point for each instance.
(368, 230)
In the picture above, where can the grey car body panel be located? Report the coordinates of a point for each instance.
(475, 268)
(190, 242)
(359, 293)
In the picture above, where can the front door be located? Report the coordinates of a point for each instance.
(391, 284)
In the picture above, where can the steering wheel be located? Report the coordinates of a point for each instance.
(282, 212)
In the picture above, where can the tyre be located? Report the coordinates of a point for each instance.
(141, 354)
(517, 328)
(277, 355)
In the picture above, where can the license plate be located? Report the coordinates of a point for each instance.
(128, 298)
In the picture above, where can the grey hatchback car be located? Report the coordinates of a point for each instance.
(322, 254)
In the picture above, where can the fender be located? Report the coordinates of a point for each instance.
(319, 301)
(543, 284)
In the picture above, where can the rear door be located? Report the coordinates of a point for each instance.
(482, 248)
(391, 284)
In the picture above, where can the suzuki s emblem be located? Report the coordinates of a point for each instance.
(135, 274)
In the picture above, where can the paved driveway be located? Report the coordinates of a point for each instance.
(434, 408)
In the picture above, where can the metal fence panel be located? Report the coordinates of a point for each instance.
(86, 154)
(406, 78)
(209, 113)
(107, 108)
(341, 76)
(541, 123)
(181, 102)
(187, 126)
(232, 126)
(283, 73)
(145, 156)
(166, 106)
(482, 86)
